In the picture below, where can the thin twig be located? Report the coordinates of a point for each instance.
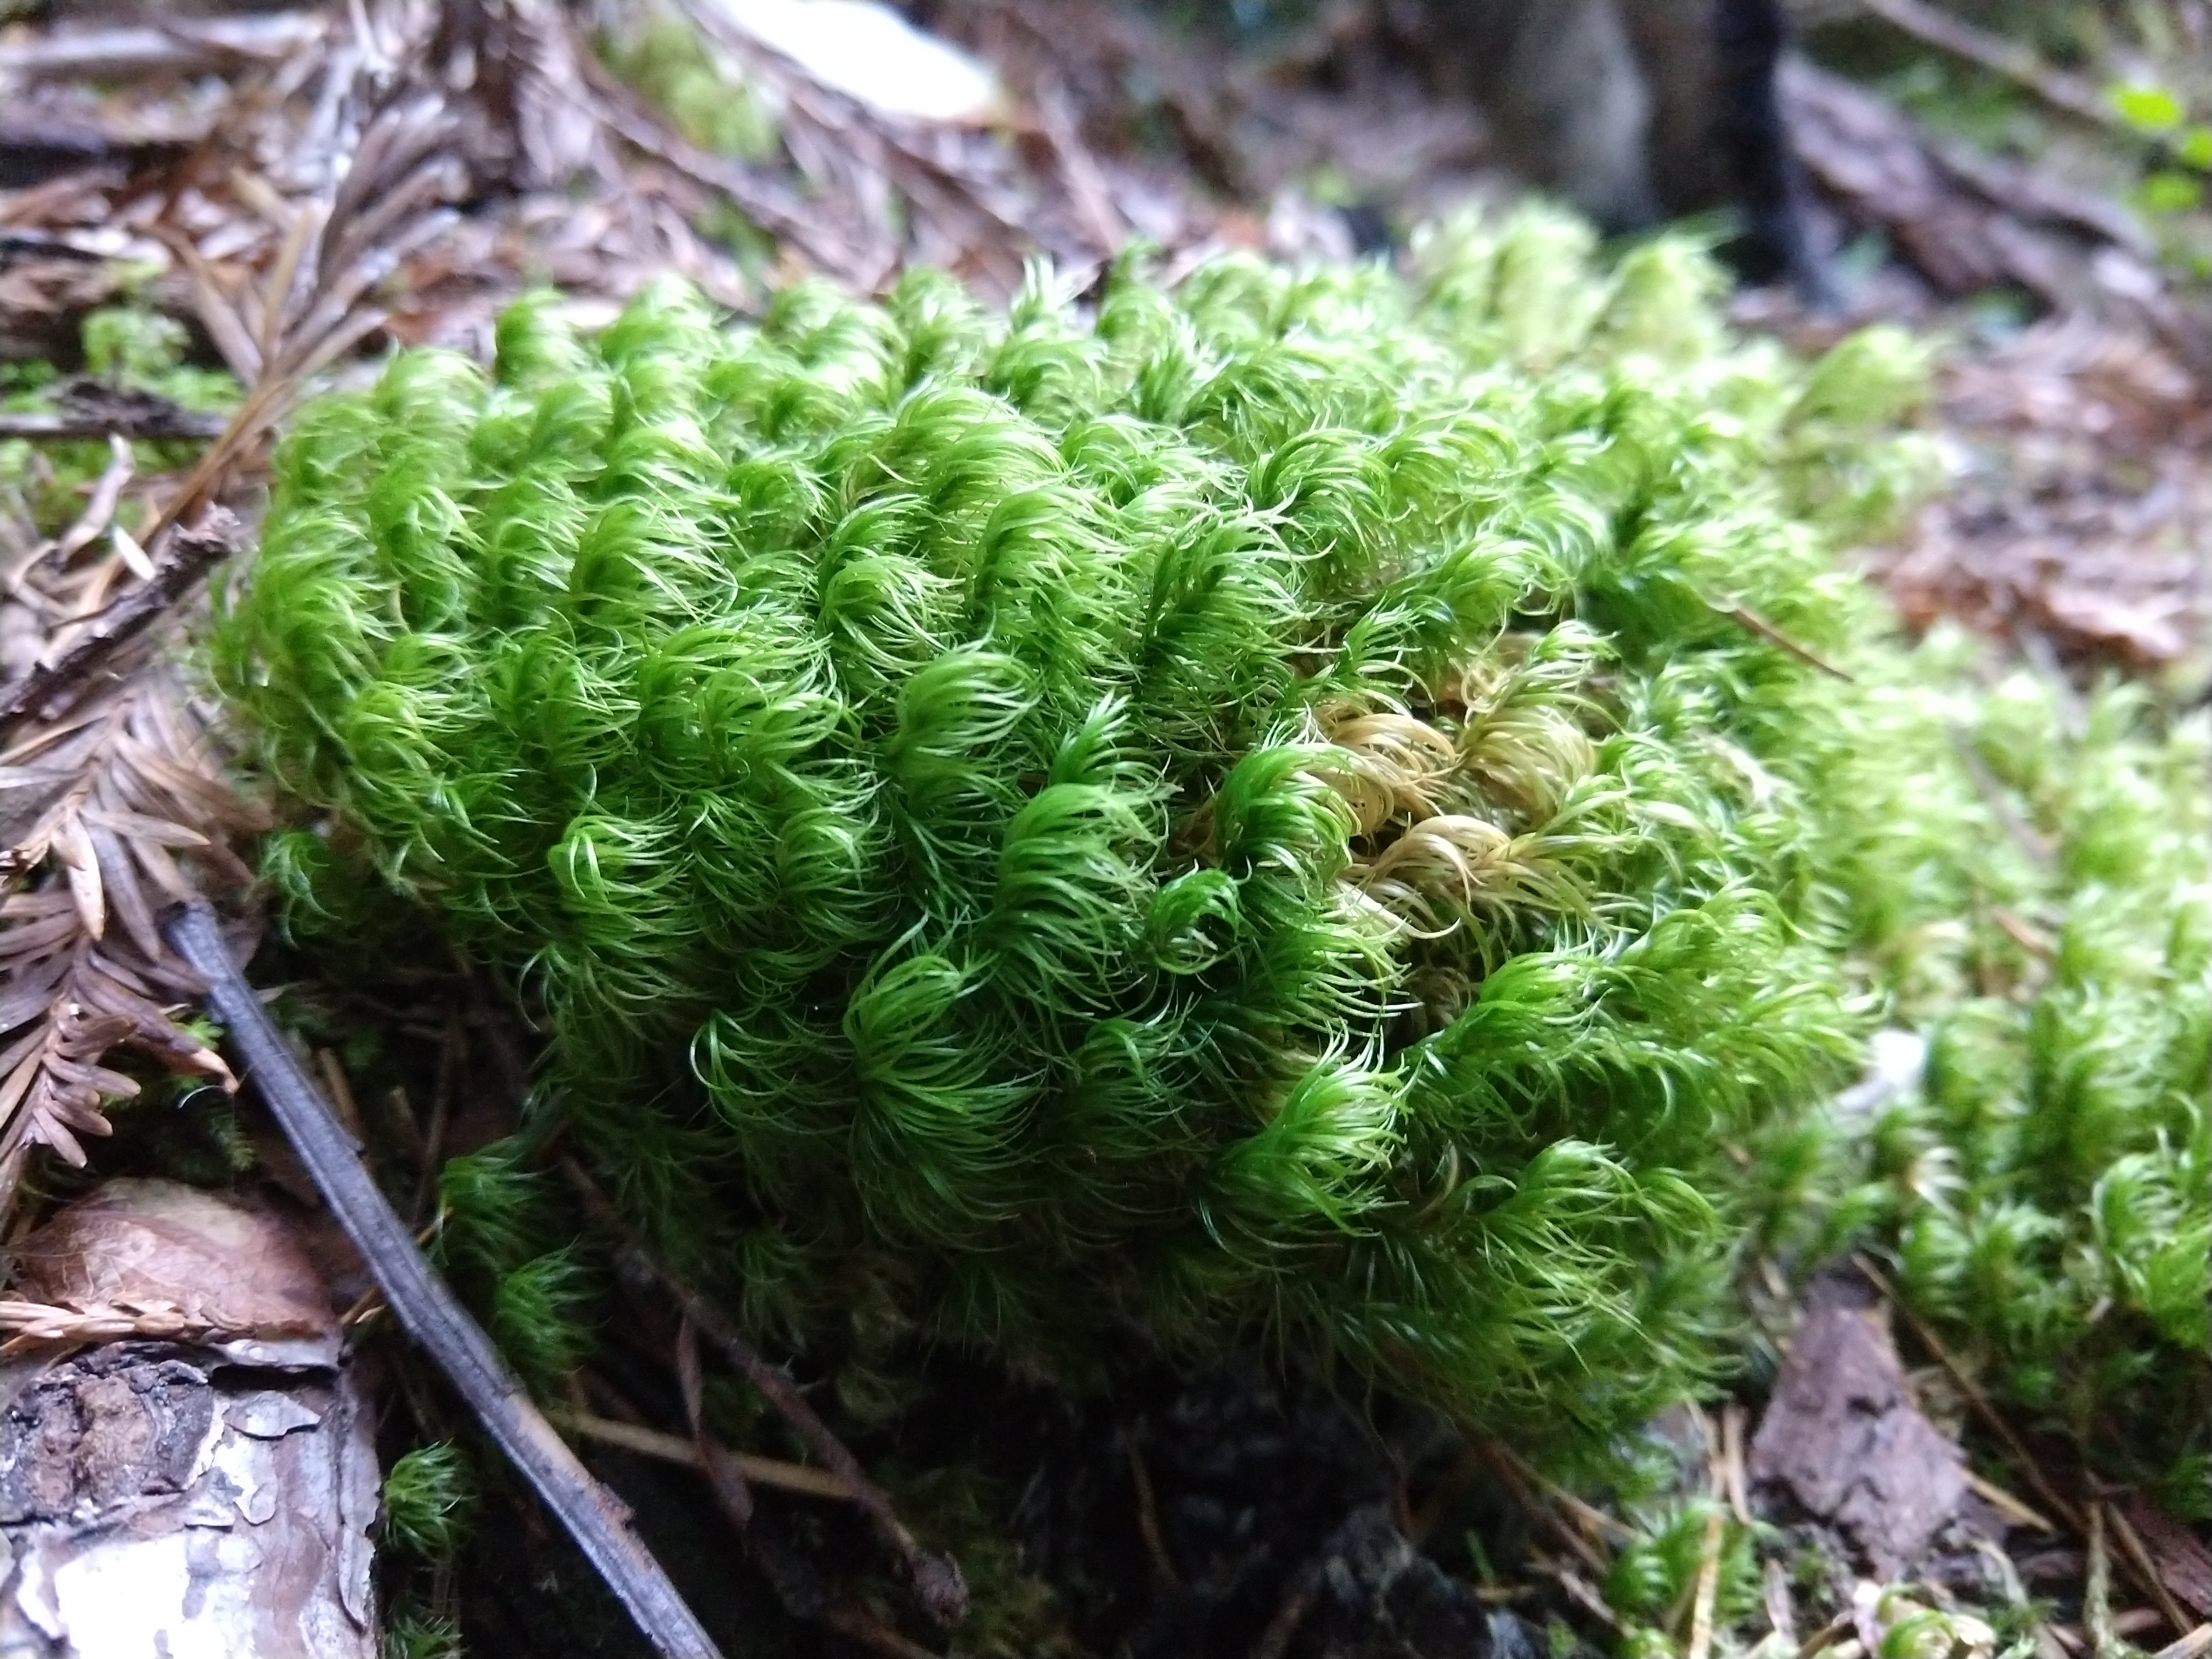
(725, 1477)
(1297, 1601)
(2030, 839)
(1592, 1520)
(2191, 1646)
(190, 556)
(1744, 618)
(2097, 1593)
(99, 507)
(1781, 1613)
(1732, 1475)
(776, 1472)
(341, 1091)
(2146, 1570)
(1148, 1519)
(594, 1517)
(1823, 1638)
(1582, 1592)
(1708, 1583)
(935, 1579)
(2006, 1505)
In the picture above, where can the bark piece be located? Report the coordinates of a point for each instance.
(186, 1500)
(86, 408)
(1842, 1441)
(2182, 1564)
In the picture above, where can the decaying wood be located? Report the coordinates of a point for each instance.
(428, 1310)
(2181, 1564)
(211, 1494)
(1969, 221)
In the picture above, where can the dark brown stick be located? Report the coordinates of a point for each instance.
(426, 1308)
(935, 1578)
(190, 556)
(150, 424)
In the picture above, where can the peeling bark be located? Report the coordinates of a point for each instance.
(185, 1499)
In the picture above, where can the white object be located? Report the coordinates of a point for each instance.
(875, 57)
(1897, 1064)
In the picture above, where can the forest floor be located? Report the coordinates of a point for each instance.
(205, 216)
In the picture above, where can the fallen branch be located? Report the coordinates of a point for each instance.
(428, 1311)
(2009, 60)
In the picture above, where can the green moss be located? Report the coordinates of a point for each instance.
(427, 1499)
(665, 58)
(1654, 1576)
(2052, 1176)
(128, 346)
(1250, 817)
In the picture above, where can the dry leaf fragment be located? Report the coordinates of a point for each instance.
(1841, 1440)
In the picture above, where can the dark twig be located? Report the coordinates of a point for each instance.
(441, 1112)
(935, 1579)
(2030, 839)
(426, 1308)
(1148, 1519)
(731, 1490)
(190, 555)
(1297, 1601)
(2097, 1593)
(151, 422)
